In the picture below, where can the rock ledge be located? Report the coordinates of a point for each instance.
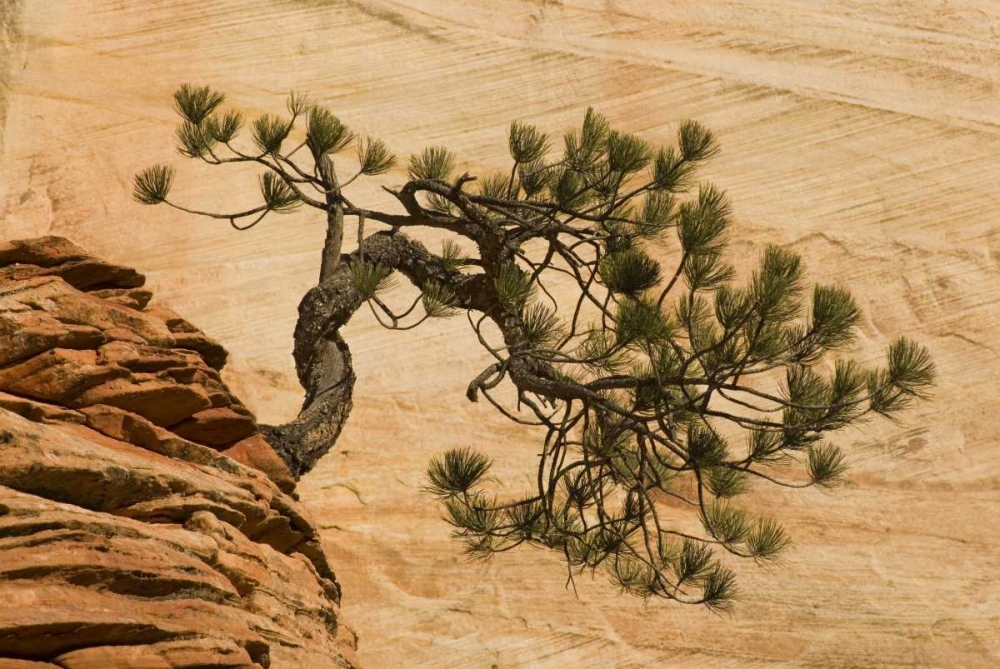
(144, 520)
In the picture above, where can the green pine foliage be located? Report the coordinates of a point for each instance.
(640, 321)
(223, 128)
(456, 472)
(435, 162)
(654, 370)
(298, 104)
(696, 142)
(325, 133)
(658, 209)
(152, 185)
(374, 157)
(835, 317)
(494, 185)
(439, 301)
(767, 540)
(526, 143)
(726, 482)
(193, 141)
(627, 154)
(630, 272)
(195, 103)
(277, 194)
(666, 388)
(452, 256)
(514, 287)
(370, 279)
(541, 326)
(270, 131)
(826, 464)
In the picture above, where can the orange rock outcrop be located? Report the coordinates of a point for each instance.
(144, 521)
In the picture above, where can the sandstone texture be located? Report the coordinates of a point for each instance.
(144, 522)
(863, 134)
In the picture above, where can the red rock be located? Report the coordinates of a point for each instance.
(278, 533)
(249, 567)
(82, 274)
(124, 334)
(173, 320)
(185, 654)
(347, 640)
(66, 304)
(133, 298)
(220, 399)
(179, 508)
(123, 543)
(55, 256)
(41, 251)
(121, 564)
(216, 427)
(160, 401)
(100, 579)
(80, 466)
(139, 357)
(57, 375)
(209, 379)
(136, 430)
(254, 451)
(145, 358)
(28, 515)
(215, 355)
(90, 274)
(49, 619)
(27, 333)
(40, 412)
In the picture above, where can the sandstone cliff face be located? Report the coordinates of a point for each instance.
(863, 134)
(144, 522)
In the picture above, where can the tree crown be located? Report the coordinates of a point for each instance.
(662, 394)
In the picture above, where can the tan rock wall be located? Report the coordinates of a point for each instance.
(862, 133)
(144, 522)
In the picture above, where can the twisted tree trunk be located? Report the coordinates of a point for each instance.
(325, 370)
(322, 357)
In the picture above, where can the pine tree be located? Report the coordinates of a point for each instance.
(662, 395)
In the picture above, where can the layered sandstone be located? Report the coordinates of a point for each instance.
(144, 521)
(863, 134)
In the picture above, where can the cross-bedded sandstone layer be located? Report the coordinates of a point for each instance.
(144, 521)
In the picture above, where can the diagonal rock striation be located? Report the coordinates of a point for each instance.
(144, 520)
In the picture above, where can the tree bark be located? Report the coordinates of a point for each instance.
(334, 220)
(325, 370)
(323, 359)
